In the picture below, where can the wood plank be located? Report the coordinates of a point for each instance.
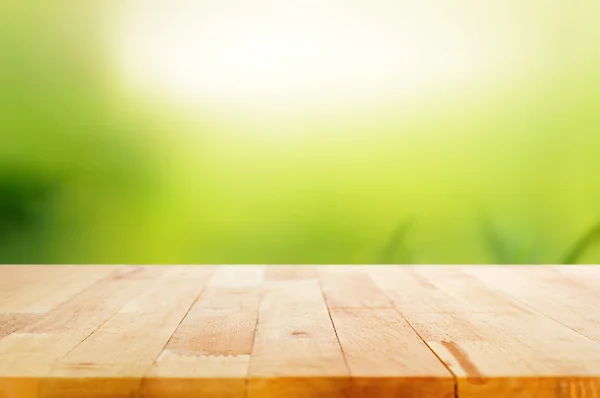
(439, 289)
(467, 292)
(31, 359)
(14, 279)
(570, 302)
(296, 352)
(206, 376)
(27, 359)
(46, 287)
(411, 293)
(387, 358)
(237, 276)
(350, 287)
(209, 353)
(30, 352)
(586, 275)
(512, 354)
(87, 310)
(112, 361)
(290, 272)
(158, 332)
(221, 323)
(10, 323)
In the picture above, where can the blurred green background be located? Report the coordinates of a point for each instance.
(495, 168)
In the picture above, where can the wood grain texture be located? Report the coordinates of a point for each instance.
(299, 331)
(296, 351)
(387, 358)
(512, 354)
(10, 323)
(210, 350)
(570, 295)
(291, 272)
(114, 358)
(43, 288)
(351, 287)
(430, 289)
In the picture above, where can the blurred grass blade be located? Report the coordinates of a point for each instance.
(503, 249)
(526, 254)
(580, 247)
(396, 251)
(496, 243)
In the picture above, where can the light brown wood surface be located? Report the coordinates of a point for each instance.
(299, 331)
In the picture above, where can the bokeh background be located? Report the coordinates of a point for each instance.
(263, 131)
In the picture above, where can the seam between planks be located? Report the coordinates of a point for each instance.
(550, 317)
(93, 283)
(101, 323)
(193, 302)
(86, 287)
(395, 308)
(334, 329)
(247, 378)
(115, 272)
(526, 304)
(454, 377)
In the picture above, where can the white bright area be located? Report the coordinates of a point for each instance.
(276, 54)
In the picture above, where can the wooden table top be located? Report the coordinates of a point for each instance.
(296, 331)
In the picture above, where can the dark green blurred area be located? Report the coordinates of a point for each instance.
(91, 173)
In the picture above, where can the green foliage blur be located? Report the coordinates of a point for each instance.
(91, 172)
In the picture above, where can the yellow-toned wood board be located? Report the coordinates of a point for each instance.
(299, 331)
(570, 296)
(296, 351)
(387, 358)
